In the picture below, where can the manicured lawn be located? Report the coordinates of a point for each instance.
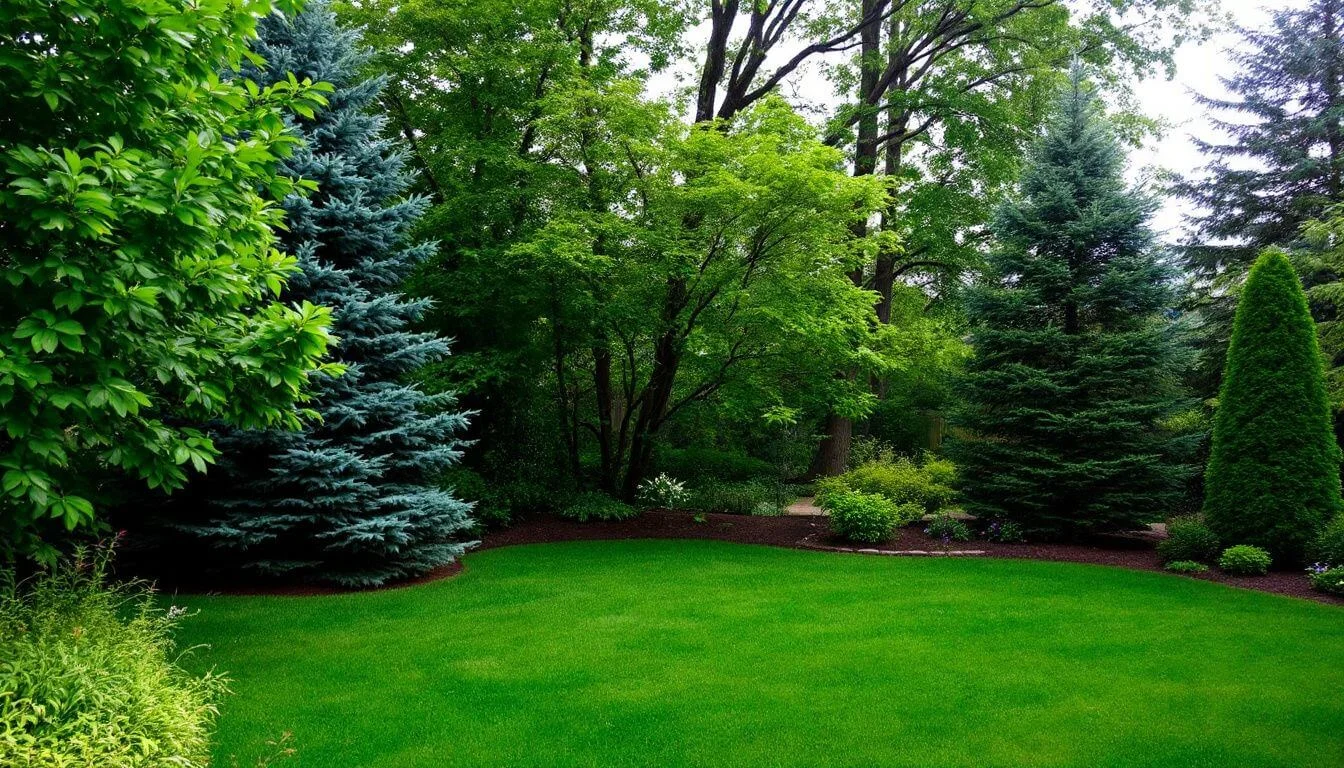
(679, 653)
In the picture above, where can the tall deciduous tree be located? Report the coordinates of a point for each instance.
(1273, 476)
(138, 203)
(1075, 365)
(350, 498)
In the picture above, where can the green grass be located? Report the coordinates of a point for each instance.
(678, 653)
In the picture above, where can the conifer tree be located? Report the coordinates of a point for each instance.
(1075, 364)
(1280, 165)
(349, 499)
(1273, 476)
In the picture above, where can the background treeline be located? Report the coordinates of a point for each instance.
(666, 277)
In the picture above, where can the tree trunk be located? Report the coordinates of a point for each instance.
(833, 452)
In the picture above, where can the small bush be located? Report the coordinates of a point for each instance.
(863, 517)
(1005, 531)
(901, 481)
(948, 528)
(1328, 548)
(597, 506)
(768, 509)
(709, 463)
(89, 674)
(1245, 560)
(1188, 538)
(663, 491)
(1186, 566)
(1328, 580)
(866, 450)
(737, 498)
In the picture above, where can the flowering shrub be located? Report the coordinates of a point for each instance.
(1005, 531)
(1327, 579)
(948, 529)
(89, 674)
(1186, 566)
(1245, 560)
(663, 491)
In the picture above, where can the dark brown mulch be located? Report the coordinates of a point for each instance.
(1135, 552)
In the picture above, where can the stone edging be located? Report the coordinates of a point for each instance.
(809, 543)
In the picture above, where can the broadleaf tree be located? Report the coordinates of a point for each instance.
(138, 207)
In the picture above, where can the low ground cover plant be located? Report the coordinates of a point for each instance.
(89, 674)
(1245, 560)
(738, 497)
(1188, 538)
(1186, 566)
(948, 528)
(597, 506)
(1327, 579)
(1005, 531)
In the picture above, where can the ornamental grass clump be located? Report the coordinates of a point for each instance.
(89, 674)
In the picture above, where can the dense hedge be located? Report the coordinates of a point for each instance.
(1273, 473)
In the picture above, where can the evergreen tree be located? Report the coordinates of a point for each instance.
(1075, 364)
(1273, 476)
(1280, 166)
(349, 499)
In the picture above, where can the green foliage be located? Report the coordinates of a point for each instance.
(1273, 473)
(866, 517)
(1005, 531)
(740, 497)
(901, 481)
(767, 509)
(349, 498)
(663, 491)
(1186, 566)
(1076, 365)
(695, 463)
(138, 207)
(1188, 538)
(948, 528)
(597, 506)
(1329, 581)
(90, 677)
(1328, 548)
(1245, 560)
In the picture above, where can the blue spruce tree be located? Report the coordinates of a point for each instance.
(350, 499)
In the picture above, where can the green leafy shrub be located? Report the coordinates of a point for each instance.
(1273, 403)
(1328, 548)
(862, 517)
(1328, 580)
(89, 675)
(1186, 566)
(901, 481)
(597, 506)
(697, 463)
(738, 498)
(1245, 560)
(940, 471)
(1006, 531)
(948, 528)
(867, 450)
(663, 491)
(768, 509)
(139, 196)
(1188, 538)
